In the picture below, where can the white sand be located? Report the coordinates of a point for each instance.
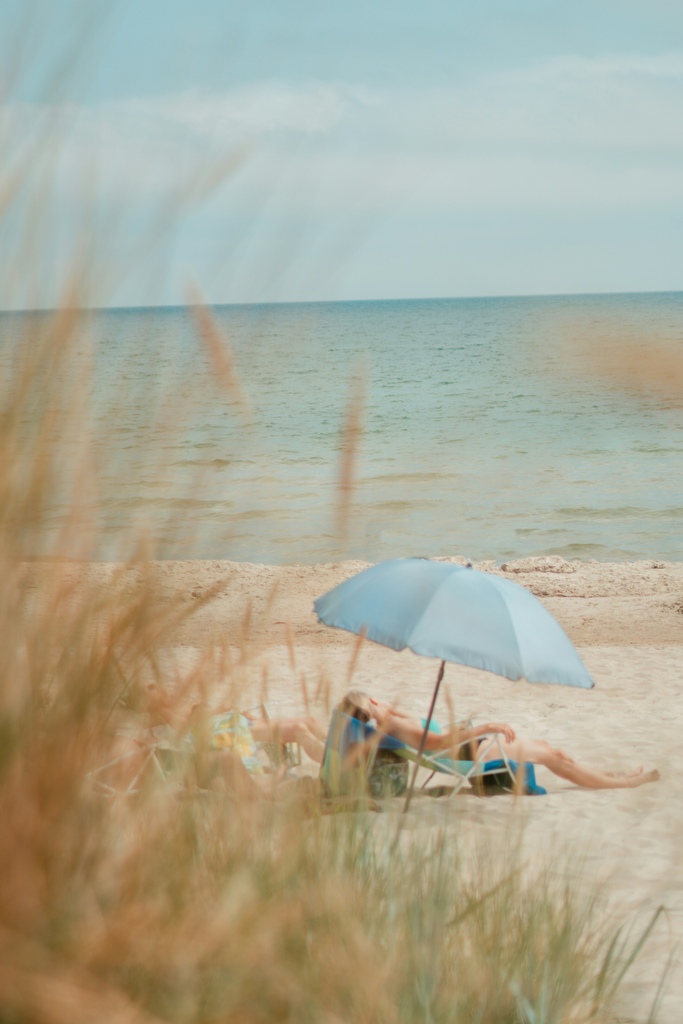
(627, 622)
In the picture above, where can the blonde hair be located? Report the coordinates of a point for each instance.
(356, 703)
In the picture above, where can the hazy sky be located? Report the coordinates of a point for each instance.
(371, 149)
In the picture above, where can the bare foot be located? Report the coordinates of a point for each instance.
(640, 778)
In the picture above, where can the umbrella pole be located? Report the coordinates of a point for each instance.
(423, 739)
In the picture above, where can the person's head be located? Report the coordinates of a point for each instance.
(357, 704)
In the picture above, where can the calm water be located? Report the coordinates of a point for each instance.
(485, 431)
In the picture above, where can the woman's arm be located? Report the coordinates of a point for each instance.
(381, 709)
(409, 730)
(502, 728)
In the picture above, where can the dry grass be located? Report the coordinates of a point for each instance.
(350, 441)
(613, 355)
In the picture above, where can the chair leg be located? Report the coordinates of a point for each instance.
(150, 756)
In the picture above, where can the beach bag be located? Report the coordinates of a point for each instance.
(500, 782)
(505, 781)
(389, 775)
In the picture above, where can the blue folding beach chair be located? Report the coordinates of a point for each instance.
(353, 749)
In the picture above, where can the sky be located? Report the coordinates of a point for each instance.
(315, 150)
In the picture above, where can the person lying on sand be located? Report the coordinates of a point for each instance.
(226, 758)
(223, 745)
(409, 730)
(302, 729)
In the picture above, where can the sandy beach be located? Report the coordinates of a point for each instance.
(626, 620)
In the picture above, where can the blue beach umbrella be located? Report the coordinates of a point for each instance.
(456, 614)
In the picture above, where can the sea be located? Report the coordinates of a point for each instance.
(492, 428)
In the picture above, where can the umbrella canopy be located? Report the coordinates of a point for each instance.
(457, 614)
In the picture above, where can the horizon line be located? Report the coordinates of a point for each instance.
(338, 302)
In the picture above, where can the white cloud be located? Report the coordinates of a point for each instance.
(260, 109)
(563, 104)
(565, 131)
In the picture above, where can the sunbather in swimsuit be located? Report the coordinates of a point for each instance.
(409, 730)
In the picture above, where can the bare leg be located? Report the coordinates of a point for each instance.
(561, 764)
(306, 731)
